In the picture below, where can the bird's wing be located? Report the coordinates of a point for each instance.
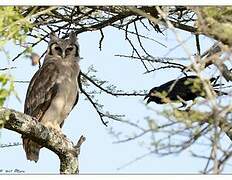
(41, 90)
(79, 87)
(166, 87)
(176, 83)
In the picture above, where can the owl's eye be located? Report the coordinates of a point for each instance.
(68, 50)
(58, 48)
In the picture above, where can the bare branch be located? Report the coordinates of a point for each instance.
(101, 115)
(102, 37)
(110, 92)
(7, 68)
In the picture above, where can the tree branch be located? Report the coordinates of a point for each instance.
(212, 56)
(210, 118)
(56, 142)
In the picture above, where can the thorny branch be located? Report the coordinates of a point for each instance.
(101, 115)
(110, 92)
(95, 104)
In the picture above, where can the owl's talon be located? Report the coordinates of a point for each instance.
(35, 119)
(64, 135)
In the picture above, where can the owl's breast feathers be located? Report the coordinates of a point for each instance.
(53, 92)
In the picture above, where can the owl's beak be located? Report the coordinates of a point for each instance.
(63, 54)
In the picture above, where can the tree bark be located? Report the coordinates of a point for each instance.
(56, 142)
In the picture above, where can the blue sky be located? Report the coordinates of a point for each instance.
(99, 154)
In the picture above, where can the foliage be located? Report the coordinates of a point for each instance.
(187, 117)
(13, 26)
(216, 22)
(6, 88)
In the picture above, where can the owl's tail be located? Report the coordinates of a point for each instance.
(32, 149)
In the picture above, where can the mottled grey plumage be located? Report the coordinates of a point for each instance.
(53, 90)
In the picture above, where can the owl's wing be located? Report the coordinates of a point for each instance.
(79, 87)
(41, 90)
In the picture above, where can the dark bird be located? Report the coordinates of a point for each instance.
(183, 89)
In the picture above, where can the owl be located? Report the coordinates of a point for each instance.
(53, 91)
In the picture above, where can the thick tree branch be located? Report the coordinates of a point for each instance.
(212, 56)
(161, 21)
(215, 22)
(56, 142)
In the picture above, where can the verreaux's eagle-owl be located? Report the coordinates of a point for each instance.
(53, 91)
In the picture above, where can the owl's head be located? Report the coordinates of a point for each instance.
(63, 48)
